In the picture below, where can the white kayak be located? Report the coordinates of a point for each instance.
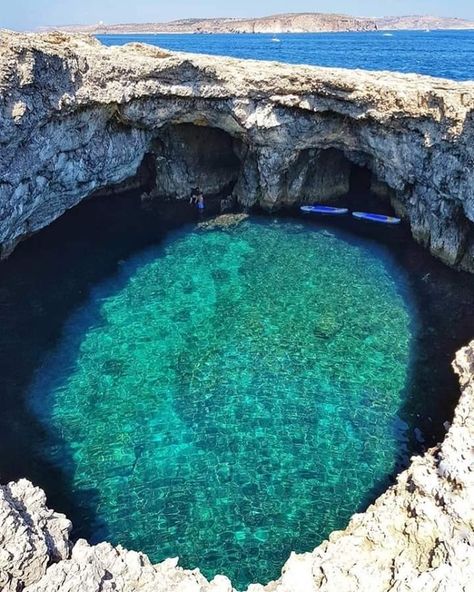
(324, 210)
(380, 218)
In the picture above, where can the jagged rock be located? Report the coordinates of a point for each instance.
(77, 117)
(103, 568)
(31, 535)
(417, 537)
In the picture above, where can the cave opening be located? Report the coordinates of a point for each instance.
(360, 179)
(213, 159)
(333, 175)
(190, 156)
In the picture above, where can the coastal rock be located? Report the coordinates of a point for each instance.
(78, 118)
(417, 537)
(31, 535)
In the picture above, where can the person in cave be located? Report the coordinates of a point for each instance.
(200, 201)
(195, 191)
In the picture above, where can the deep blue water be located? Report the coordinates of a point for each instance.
(447, 54)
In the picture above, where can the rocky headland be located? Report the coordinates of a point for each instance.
(77, 118)
(309, 22)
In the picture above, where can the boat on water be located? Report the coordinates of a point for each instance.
(324, 210)
(380, 218)
(275, 40)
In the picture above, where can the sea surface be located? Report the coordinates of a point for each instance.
(446, 54)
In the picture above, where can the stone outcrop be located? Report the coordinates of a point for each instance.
(31, 535)
(77, 117)
(417, 537)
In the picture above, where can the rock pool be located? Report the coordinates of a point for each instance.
(230, 395)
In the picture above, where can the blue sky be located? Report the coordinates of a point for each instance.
(30, 14)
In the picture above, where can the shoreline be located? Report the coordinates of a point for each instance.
(263, 33)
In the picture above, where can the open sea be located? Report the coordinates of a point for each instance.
(446, 54)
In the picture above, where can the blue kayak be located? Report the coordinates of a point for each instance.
(381, 218)
(326, 210)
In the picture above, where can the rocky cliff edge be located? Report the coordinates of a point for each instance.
(77, 117)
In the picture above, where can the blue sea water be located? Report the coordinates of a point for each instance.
(446, 54)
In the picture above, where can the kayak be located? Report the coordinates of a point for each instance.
(381, 218)
(326, 210)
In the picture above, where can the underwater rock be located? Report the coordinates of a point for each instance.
(327, 327)
(417, 537)
(223, 221)
(77, 117)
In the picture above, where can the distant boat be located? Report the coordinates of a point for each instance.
(324, 210)
(388, 34)
(275, 40)
(380, 218)
(427, 30)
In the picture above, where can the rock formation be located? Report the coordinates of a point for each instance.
(31, 535)
(77, 117)
(305, 22)
(417, 537)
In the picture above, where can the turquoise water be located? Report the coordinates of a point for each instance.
(232, 394)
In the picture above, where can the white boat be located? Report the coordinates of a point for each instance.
(324, 210)
(275, 40)
(378, 218)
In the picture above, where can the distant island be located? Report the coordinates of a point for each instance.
(280, 23)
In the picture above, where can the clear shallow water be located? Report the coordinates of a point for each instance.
(230, 396)
(447, 54)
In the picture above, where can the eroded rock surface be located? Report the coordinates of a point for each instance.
(417, 537)
(31, 535)
(77, 117)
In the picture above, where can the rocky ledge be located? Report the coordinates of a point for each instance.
(77, 117)
(417, 537)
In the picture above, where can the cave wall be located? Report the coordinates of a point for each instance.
(77, 117)
(189, 156)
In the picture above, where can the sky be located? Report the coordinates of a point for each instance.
(31, 14)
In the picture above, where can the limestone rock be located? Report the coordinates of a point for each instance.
(77, 117)
(31, 535)
(103, 568)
